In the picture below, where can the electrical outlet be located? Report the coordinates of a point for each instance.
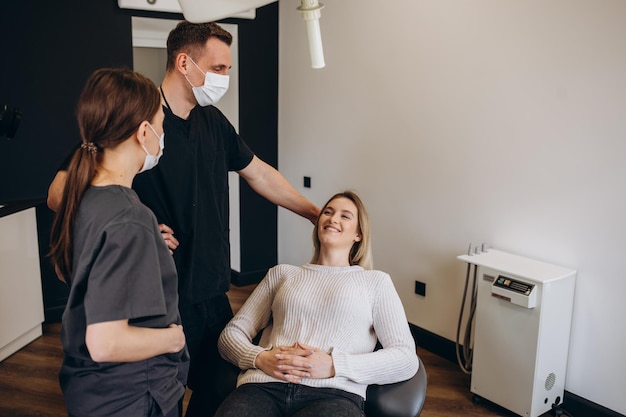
(307, 182)
(420, 288)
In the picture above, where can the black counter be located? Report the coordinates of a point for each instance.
(15, 206)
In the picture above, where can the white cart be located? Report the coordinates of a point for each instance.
(522, 331)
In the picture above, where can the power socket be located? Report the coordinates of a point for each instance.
(420, 288)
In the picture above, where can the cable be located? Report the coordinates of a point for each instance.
(559, 411)
(465, 362)
(467, 341)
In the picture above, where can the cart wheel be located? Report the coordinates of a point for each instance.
(476, 399)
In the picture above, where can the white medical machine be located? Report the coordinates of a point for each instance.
(522, 331)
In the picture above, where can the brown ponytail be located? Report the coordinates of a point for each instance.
(112, 105)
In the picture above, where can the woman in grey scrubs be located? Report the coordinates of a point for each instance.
(124, 348)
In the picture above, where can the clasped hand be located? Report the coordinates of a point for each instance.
(293, 363)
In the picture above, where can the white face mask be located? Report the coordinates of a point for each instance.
(213, 89)
(152, 160)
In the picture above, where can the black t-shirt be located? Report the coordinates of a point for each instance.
(188, 191)
(122, 269)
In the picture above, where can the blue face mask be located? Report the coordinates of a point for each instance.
(152, 160)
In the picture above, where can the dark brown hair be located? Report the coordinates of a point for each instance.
(190, 38)
(111, 107)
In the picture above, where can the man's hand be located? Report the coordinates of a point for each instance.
(168, 236)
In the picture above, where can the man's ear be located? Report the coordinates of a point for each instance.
(182, 63)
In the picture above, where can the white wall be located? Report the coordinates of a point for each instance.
(479, 120)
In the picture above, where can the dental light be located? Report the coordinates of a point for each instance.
(311, 13)
(198, 11)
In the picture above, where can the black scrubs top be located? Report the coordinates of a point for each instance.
(188, 191)
(122, 269)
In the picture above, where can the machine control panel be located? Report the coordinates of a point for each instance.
(515, 291)
(514, 285)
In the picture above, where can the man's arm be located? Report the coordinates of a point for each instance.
(55, 191)
(268, 182)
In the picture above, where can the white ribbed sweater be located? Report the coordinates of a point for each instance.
(341, 310)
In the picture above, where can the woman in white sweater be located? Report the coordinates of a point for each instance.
(319, 324)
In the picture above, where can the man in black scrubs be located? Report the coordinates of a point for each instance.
(188, 192)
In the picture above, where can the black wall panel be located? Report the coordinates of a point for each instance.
(258, 125)
(47, 51)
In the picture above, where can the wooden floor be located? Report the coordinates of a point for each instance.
(29, 387)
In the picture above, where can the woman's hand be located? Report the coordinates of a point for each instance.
(178, 338)
(270, 362)
(293, 363)
(319, 363)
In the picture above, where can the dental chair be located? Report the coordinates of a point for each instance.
(402, 399)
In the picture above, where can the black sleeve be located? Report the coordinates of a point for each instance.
(239, 153)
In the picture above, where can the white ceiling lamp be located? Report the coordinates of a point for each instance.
(172, 6)
(198, 11)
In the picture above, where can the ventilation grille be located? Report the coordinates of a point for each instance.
(550, 380)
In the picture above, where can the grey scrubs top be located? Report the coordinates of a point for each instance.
(122, 269)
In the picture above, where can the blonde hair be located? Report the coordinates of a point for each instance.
(361, 252)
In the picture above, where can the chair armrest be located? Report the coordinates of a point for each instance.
(402, 399)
